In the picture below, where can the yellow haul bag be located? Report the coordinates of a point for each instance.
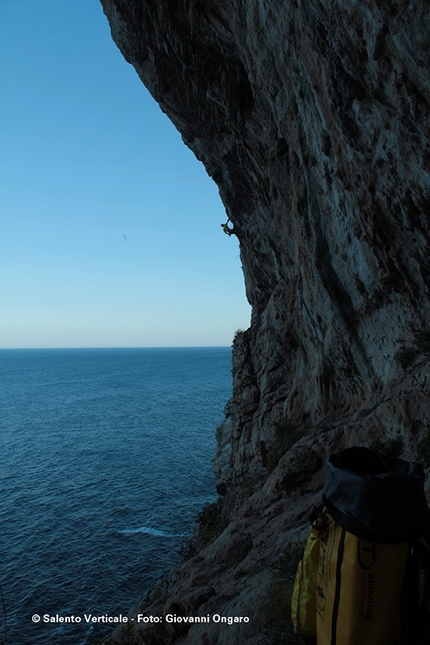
(365, 574)
(358, 590)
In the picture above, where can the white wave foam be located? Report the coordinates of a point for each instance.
(150, 531)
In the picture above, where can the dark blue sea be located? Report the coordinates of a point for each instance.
(105, 462)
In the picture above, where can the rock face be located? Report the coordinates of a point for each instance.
(313, 120)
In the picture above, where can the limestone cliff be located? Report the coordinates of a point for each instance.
(313, 119)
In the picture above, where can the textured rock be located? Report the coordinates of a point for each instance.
(313, 119)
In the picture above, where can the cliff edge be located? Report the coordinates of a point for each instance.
(313, 120)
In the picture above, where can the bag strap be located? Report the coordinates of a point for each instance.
(423, 549)
(415, 595)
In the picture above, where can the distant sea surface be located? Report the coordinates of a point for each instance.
(105, 461)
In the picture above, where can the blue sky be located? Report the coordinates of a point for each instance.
(110, 227)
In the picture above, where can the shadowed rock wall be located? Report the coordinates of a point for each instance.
(313, 119)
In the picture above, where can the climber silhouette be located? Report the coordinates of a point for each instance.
(227, 230)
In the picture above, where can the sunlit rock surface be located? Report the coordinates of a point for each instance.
(313, 120)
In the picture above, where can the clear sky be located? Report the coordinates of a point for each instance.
(110, 227)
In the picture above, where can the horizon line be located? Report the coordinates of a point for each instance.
(5, 349)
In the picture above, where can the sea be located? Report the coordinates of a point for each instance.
(105, 462)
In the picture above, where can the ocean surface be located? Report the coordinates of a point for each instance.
(105, 461)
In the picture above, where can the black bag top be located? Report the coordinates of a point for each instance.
(377, 498)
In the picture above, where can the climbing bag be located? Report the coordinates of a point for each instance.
(371, 544)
